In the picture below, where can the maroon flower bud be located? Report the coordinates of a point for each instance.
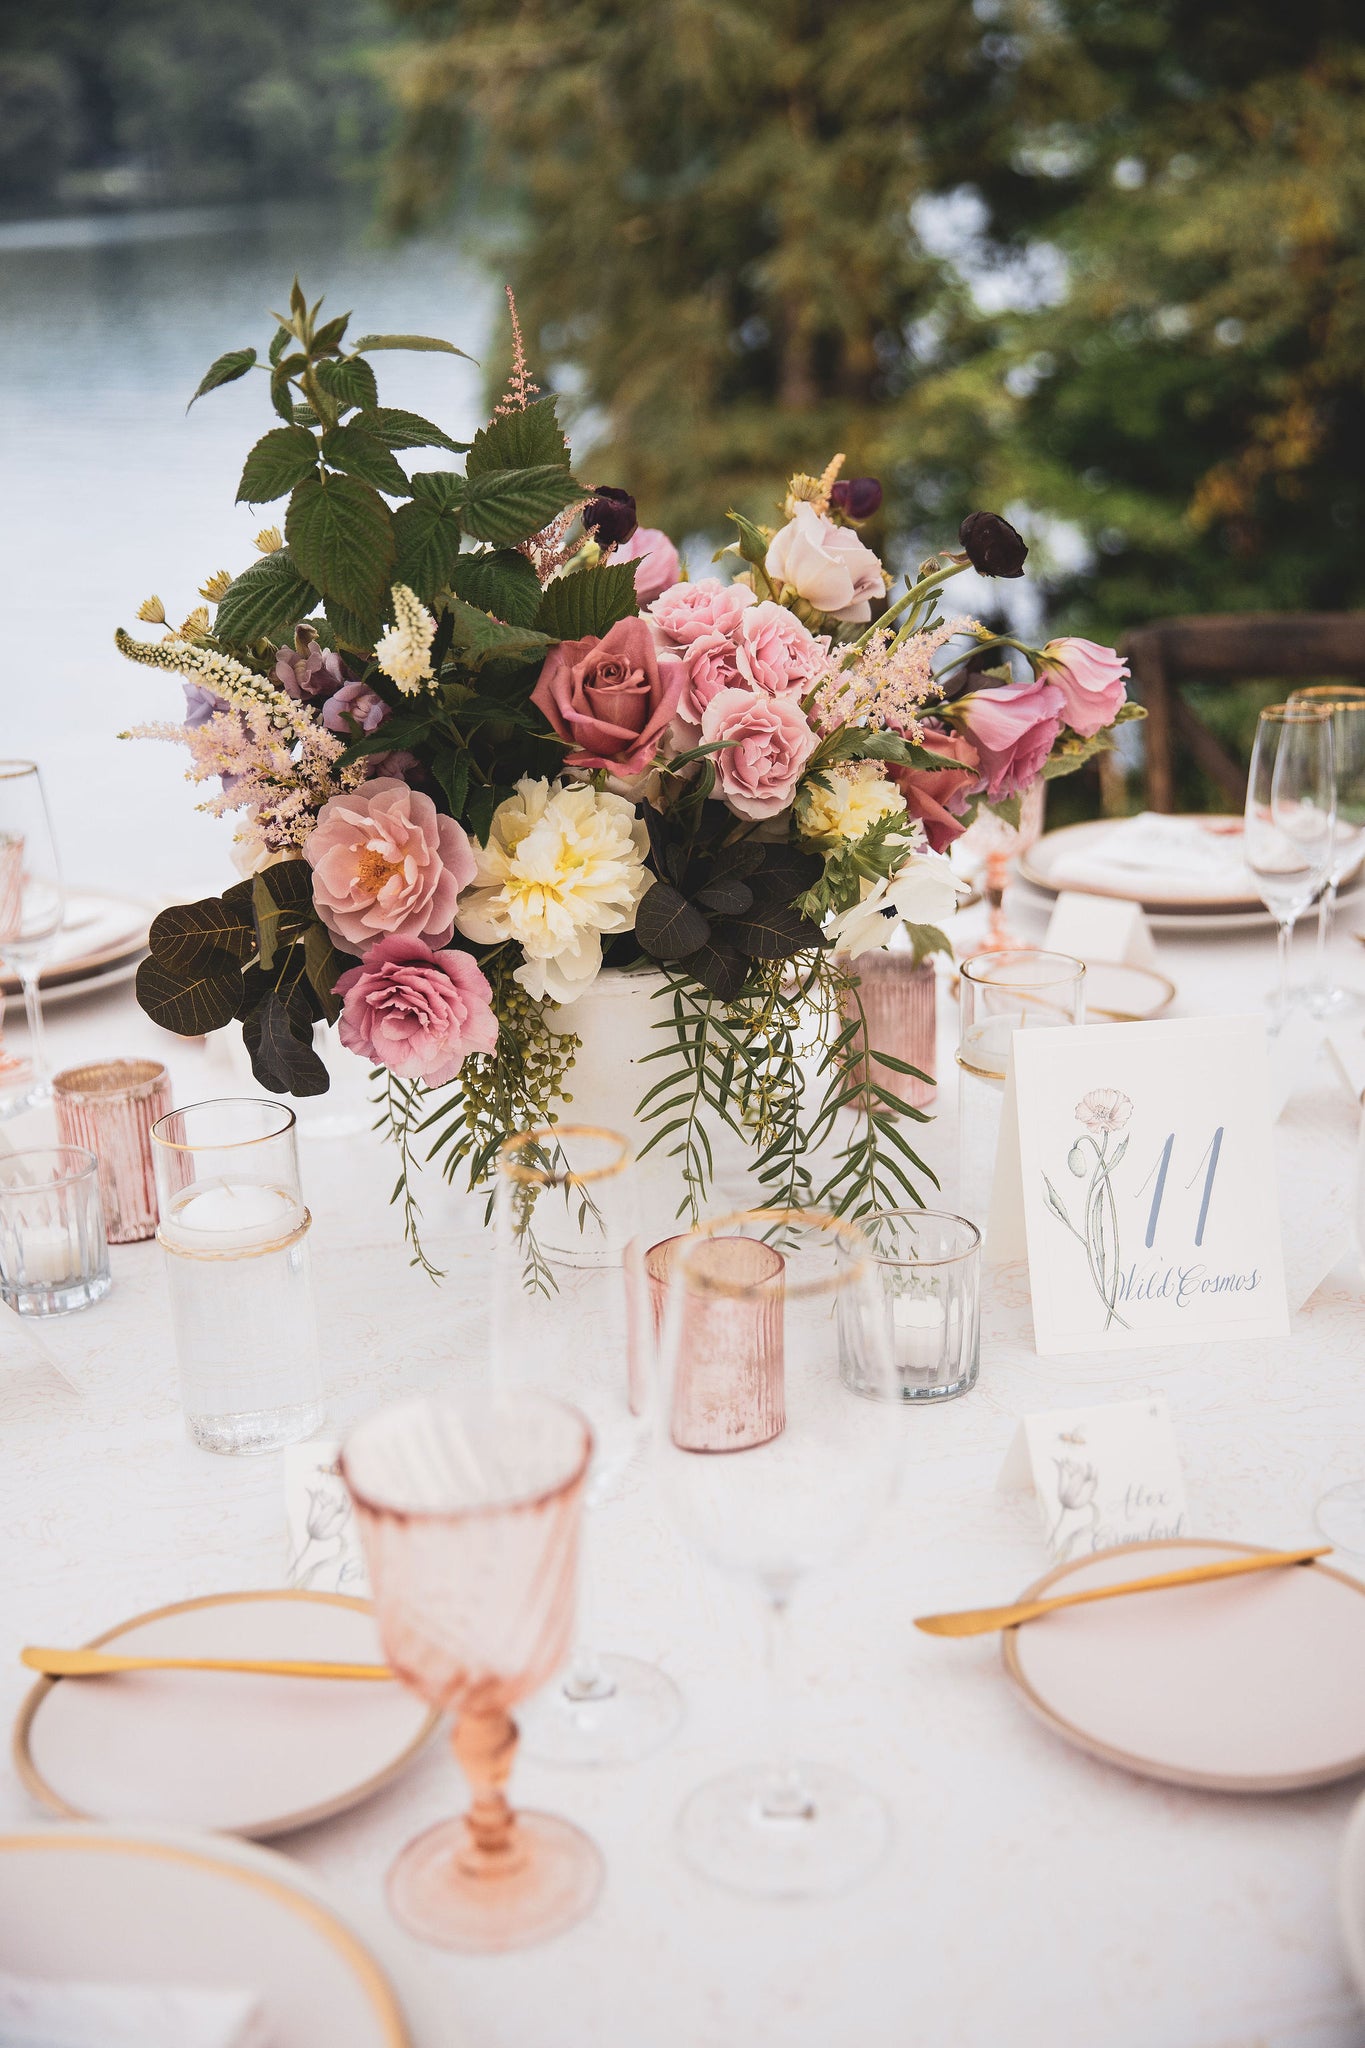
(609, 516)
(992, 544)
(857, 497)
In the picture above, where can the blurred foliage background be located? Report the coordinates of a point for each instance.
(1097, 263)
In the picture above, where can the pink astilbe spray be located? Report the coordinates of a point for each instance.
(282, 783)
(888, 685)
(522, 388)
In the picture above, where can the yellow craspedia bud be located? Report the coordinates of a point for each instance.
(215, 588)
(270, 540)
(196, 624)
(153, 611)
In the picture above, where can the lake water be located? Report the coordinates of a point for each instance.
(111, 491)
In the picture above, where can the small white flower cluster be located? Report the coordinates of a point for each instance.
(231, 680)
(843, 803)
(404, 652)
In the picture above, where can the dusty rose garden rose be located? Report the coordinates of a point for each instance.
(417, 1012)
(827, 565)
(657, 558)
(1091, 679)
(771, 743)
(1012, 729)
(711, 664)
(938, 796)
(776, 653)
(387, 863)
(689, 611)
(613, 698)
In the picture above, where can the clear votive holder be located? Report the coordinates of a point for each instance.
(234, 1229)
(1023, 988)
(53, 1254)
(899, 998)
(110, 1108)
(928, 1265)
(729, 1389)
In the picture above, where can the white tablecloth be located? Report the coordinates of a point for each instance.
(1032, 1895)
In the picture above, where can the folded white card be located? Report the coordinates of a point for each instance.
(1141, 1161)
(1103, 1476)
(1104, 929)
(42, 2012)
(324, 1548)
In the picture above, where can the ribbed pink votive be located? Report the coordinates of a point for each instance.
(900, 1003)
(110, 1108)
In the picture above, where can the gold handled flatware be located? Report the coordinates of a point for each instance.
(980, 1621)
(99, 1663)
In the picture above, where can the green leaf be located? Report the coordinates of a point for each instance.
(191, 1003)
(340, 533)
(1007, 808)
(283, 1061)
(280, 343)
(427, 541)
(279, 460)
(478, 637)
(773, 933)
(443, 488)
(399, 429)
(927, 939)
(349, 629)
(282, 904)
(507, 505)
(265, 602)
(753, 545)
(667, 926)
(324, 966)
(503, 583)
(588, 601)
(329, 337)
(183, 936)
(718, 966)
(422, 344)
(364, 455)
(520, 440)
(348, 380)
(226, 370)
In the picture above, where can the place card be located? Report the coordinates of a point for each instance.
(1103, 1476)
(1139, 1162)
(1105, 929)
(324, 1547)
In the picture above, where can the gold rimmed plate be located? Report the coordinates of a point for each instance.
(1250, 1684)
(96, 1905)
(239, 1753)
(1117, 994)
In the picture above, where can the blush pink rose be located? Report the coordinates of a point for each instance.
(657, 558)
(418, 1013)
(757, 775)
(387, 863)
(938, 796)
(825, 564)
(690, 611)
(711, 665)
(1091, 678)
(613, 698)
(775, 652)
(1013, 730)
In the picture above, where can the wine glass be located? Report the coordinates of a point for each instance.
(775, 1470)
(998, 844)
(468, 1510)
(566, 1208)
(1346, 702)
(1290, 819)
(32, 899)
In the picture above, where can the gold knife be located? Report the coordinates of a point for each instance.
(99, 1663)
(980, 1621)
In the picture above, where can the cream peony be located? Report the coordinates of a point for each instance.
(825, 564)
(404, 652)
(561, 866)
(844, 802)
(923, 890)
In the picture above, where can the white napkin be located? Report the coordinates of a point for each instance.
(1203, 856)
(41, 2012)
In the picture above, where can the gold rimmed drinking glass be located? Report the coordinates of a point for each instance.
(32, 896)
(775, 1471)
(1024, 988)
(469, 1510)
(565, 1212)
(1346, 703)
(1290, 823)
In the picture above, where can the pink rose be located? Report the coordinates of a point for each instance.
(758, 774)
(612, 697)
(386, 861)
(418, 1013)
(1091, 678)
(1012, 729)
(776, 653)
(689, 611)
(938, 796)
(657, 557)
(825, 564)
(711, 665)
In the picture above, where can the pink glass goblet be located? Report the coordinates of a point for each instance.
(469, 1511)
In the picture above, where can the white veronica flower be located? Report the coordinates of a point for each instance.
(561, 866)
(858, 795)
(923, 890)
(404, 652)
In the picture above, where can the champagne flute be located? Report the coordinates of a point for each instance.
(566, 1208)
(1290, 819)
(32, 899)
(1346, 702)
(774, 1470)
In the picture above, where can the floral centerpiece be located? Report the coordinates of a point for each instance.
(486, 739)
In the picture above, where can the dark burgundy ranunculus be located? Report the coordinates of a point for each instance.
(856, 497)
(992, 544)
(609, 516)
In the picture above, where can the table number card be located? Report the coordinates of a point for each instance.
(1140, 1158)
(324, 1549)
(1103, 1476)
(1100, 928)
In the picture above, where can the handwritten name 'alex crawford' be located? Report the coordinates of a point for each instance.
(1182, 1285)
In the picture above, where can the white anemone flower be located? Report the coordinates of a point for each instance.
(404, 652)
(561, 867)
(923, 890)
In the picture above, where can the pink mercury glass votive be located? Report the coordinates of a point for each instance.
(110, 1108)
(729, 1391)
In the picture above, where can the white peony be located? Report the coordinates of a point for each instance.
(857, 796)
(826, 565)
(404, 652)
(561, 866)
(923, 890)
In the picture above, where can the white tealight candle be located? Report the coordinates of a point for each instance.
(230, 1216)
(50, 1258)
(918, 1322)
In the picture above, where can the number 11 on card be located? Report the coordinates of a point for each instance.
(1208, 1165)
